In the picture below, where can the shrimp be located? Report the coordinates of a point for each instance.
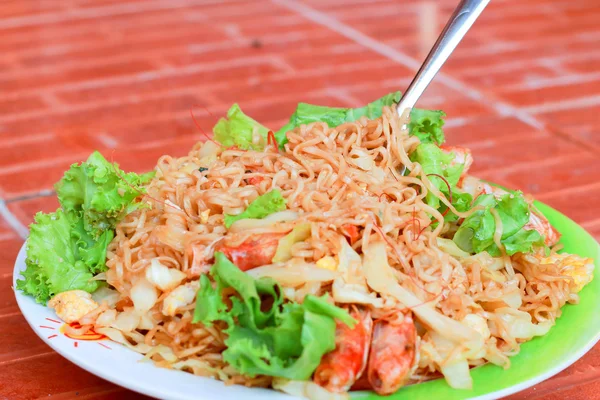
(256, 251)
(537, 221)
(340, 368)
(393, 353)
(462, 155)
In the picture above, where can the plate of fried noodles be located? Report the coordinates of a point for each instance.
(348, 254)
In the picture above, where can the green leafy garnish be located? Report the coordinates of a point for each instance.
(425, 124)
(55, 262)
(437, 164)
(99, 193)
(237, 129)
(265, 336)
(65, 249)
(476, 233)
(262, 206)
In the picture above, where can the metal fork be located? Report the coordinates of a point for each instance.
(457, 26)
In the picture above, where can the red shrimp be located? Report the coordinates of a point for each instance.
(393, 351)
(256, 251)
(340, 368)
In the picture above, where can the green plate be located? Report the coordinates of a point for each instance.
(575, 333)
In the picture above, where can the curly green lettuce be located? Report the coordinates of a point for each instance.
(476, 233)
(267, 204)
(99, 192)
(65, 249)
(425, 124)
(265, 336)
(54, 258)
(237, 129)
(437, 164)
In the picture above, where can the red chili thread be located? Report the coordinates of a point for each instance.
(271, 140)
(52, 336)
(447, 184)
(103, 345)
(53, 320)
(46, 327)
(75, 344)
(200, 128)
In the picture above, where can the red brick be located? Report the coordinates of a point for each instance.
(326, 77)
(9, 248)
(149, 44)
(19, 341)
(32, 149)
(25, 210)
(582, 123)
(34, 178)
(19, 105)
(481, 77)
(73, 75)
(8, 304)
(584, 66)
(37, 377)
(486, 128)
(581, 205)
(555, 173)
(89, 121)
(238, 73)
(551, 93)
(492, 154)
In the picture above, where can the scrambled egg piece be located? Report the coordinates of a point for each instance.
(70, 306)
(328, 262)
(180, 297)
(204, 216)
(578, 268)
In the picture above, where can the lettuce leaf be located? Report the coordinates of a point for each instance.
(99, 193)
(476, 233)
(425, 124)
(237, 129)
(265, 336)
(65, 249)
(54, 263)
(434, 161)
(262, 206)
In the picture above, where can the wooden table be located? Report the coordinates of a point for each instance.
(522, 91)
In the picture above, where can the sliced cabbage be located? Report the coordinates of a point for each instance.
(106, 295)
(144, 295)
(107, 318)
(270, 220)
(300, 233)
(163, 277)
(381, 279)
(294, 274)
(183, 296)
(352, 293)
(518, 324)
(117, 336)
(127, 321)
(164, 351)
(448, 246)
